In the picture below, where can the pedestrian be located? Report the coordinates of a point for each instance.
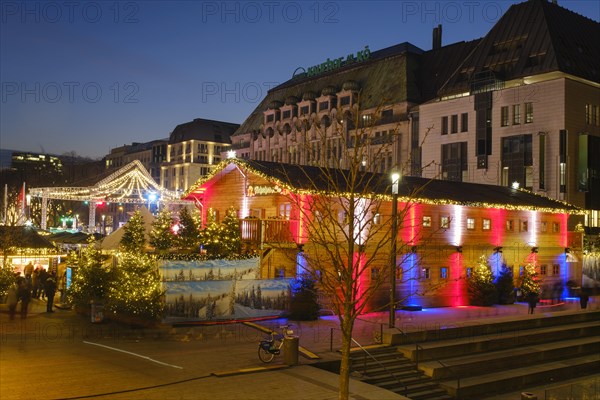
(41, 281)
(50, 290)
(532, 300)
(28, 269)
(583, 300)
(12, 299)
(35, 282)
(24, 295)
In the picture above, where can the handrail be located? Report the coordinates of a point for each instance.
(378, 362)
(417, 346)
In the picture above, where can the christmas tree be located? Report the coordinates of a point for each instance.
(161, 235)
(480, 285)
(505, 285)
(529, 280)
(224, 239)
(91, 280)
(189, 233)
(137, 289)
(134, 239)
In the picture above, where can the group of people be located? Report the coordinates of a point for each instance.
(36, 282)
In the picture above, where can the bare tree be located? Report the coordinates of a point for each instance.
(345, 209)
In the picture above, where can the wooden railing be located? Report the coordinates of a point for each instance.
(256, 230)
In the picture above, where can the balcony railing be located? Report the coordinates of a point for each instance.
(256, 230)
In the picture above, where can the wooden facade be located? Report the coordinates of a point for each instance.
(439, 242)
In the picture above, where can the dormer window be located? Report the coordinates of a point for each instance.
(304, 110)
(287, 114)
(345, 101)
(270, 117)
(324, 105)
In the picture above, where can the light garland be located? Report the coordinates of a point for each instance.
(569, 209)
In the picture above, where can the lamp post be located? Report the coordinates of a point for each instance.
(395, 182)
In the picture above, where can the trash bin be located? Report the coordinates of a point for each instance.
(97, 314)
(290, 350)
(528, 396)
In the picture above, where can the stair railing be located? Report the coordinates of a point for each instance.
(367, 354)
(433, 358)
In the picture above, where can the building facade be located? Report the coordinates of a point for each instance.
(444, 231)
(193, 150)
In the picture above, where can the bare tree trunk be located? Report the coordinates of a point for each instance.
(347, 326)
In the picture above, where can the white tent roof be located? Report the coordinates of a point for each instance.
(112, 241)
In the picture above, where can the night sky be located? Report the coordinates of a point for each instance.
(90, 76)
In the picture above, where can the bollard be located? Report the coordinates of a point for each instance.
(290, 350)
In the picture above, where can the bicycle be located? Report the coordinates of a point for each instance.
(269, 348)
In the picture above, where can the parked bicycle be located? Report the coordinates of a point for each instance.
(269, 348)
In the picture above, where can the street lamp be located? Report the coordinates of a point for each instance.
(395, 182)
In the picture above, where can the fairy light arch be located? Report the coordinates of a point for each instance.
(131, 184)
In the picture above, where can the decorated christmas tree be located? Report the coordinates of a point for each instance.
(161, 235)
(91, 279)
(529, 282)
(137, 289)
(480, 285)
(222, 240)
(134, 239)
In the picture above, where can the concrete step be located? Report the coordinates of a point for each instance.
(467, 330)
(396, 370)
(482, 363)
(430, 394)
(403, 379)
(517, 378)
(485, 343)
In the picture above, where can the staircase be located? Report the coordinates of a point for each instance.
(385, 367)
(484, 360)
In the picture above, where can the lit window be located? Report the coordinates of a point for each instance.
(524, 226)
(444, 273)
(504, 116)
(470, 223)
(426, 222)
(543, 269)
(544, 226)
(555, 227)
(516, 114)
(528, 113)
(556, 269)
(487, 224)
(445, 222)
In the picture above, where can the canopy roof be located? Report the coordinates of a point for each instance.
(129, 184)
(22, 237)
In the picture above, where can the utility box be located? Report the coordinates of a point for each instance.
(97, 313)
(290, 350)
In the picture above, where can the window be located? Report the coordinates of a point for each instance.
(287, 114)
(342, 217)
(445, 222)
(470, 223)
(304, 110)
(454, 124)
(426, 221)
(270, 117)
(367, 119)
(285, 210)
(543, 269)
(444, 125)
(344, 101)
(544, 226)
(509, 225)
(464, 122)
(374, 273)
(528, 113)
(487, 224)
(556, 269)
(469, 272)
(524, 226)
(444, 273)
(591, 114)
(516, 114)
(425, 273)
(387, 116)
(542, 163)
(555, 227)
(280, 273)
(324, 105)
(504, 116)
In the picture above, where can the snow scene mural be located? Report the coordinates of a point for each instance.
(220, 290)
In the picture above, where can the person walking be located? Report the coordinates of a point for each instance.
(532, 300)
(43, 275)
(12, 299)
(50, 290)
(24, 294)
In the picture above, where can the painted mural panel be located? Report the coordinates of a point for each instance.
(220, 290)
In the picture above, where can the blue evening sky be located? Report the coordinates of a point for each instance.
(91, 76)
